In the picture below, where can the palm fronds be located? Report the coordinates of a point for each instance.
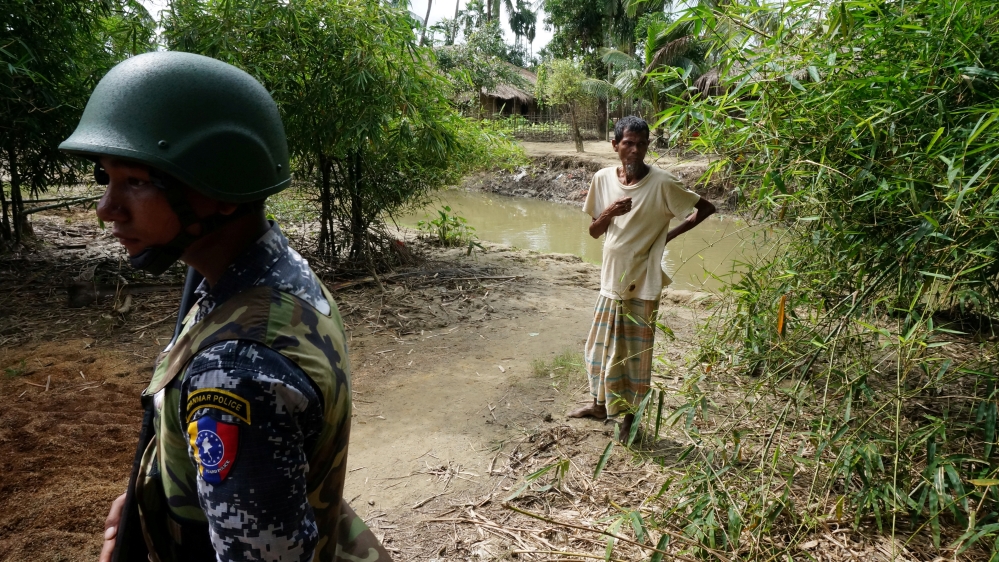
(600, 89)
(618, 59)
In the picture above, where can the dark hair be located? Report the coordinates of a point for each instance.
(630, 123)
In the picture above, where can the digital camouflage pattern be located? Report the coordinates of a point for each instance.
(251, 417)
(236, 362)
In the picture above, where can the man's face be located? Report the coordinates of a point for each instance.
(140, 212)
(631, 148)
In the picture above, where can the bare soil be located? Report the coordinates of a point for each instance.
(442, 369)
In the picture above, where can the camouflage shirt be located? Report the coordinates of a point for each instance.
(259, 509)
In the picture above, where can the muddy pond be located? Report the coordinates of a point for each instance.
(712, 249)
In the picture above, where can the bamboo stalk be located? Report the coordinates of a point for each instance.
(66, 203)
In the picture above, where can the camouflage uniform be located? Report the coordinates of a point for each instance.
(252, 415)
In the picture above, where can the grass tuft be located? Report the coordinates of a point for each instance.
(567, 367)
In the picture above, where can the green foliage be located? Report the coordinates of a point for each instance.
(368, 118)
(672, 58)
(890, 171)
(864, 134)
(480, 63)
(51, 56)
(557, 470)
(565, 369)
(561, 82)
(16, 371)
(523, 20)
(448, 229)
(479, 23)
(582, 27)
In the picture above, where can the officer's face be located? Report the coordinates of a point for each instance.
(139, 210)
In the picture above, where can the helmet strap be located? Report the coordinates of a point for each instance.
(157, 259)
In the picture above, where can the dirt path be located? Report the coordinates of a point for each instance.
(602, 154)
(433, 409)
(444, 381)
(439, 413)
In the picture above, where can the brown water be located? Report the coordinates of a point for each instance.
(713, 247)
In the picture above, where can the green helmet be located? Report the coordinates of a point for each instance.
(195, 121)
(206, 123)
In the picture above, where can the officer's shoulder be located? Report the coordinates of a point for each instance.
(240, 357)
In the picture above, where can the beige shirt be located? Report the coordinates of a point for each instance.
(634, 243)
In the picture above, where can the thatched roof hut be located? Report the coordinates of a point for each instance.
(508, 99)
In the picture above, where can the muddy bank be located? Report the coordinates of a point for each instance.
(565, 178)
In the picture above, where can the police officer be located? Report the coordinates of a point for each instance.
(251, 404)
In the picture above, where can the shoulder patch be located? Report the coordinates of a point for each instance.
(215, 445)
(219, 399)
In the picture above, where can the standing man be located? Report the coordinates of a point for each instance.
(632, 204)
(251, 405)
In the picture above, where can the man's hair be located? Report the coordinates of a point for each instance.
(630, 123)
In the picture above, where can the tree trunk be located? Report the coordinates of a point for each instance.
(602, 118)
(17, 204)
(576, 135)
(5, 233)
(423, 32)
(327, 245)
(453, 32)
(358, 226)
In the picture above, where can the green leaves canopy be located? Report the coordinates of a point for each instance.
(367, 115)
(51, 56)
(872, 131)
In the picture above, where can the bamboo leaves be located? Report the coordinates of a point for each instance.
(51, 54)
(869, 142)
(367, 114)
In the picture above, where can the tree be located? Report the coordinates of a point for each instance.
(366, 114)
(52, 54)
(561, 82)
(881, 174)
(672, 58)
(523, 21)
(583, 27)
(478, 64)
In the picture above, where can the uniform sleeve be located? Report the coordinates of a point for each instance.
(594, 204)
(251, 415)
(679, 199)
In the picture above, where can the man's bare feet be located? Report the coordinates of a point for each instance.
(624, 428)
(596, 411)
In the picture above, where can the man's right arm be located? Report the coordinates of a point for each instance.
(602, 222)
(111, 528)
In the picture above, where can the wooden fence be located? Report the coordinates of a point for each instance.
(554, 125)
(542, 128)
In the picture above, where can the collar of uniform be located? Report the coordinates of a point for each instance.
(245, 272)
